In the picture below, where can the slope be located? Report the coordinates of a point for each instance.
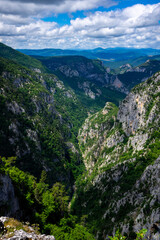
(130, 76)
(121, 149)
(20, 58)
(88, 78)
(133, 61)
(39, 122)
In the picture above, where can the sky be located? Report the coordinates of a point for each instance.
(80, 24)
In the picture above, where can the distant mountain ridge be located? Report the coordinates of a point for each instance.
(106, 55)
(94, 72)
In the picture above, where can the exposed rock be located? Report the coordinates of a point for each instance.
(121, 170)
(22, 235)
(15, 108)
(37, 70)
(68, 71)
(9, 204)
(72, 147)
(27, 233)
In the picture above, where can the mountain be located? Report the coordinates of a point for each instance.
(92, 94)
(108, 54)
(39, 123)
(131, 76)
(121, 152)
(39, 155)
(97, 76)
(134, 62)
(94, 80)
(75, 165)
(88, 78)
(20, 58)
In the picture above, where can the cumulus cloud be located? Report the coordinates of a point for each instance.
(44, 8)
(57, 2)
(135, 26)
(119, 21)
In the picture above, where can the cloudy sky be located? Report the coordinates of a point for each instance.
(80, 24)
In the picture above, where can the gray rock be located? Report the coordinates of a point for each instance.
(22, 235)
(9, 204)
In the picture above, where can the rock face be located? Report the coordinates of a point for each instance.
(80, 69)
(12, 231)
(9, 204)
(22, 235)
(121, 150)
(110, 133)
(131, 76)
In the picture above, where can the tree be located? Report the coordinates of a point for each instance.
(61, 199)
(41, 187)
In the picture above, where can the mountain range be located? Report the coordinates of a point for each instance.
(108, 53)
(79, 143)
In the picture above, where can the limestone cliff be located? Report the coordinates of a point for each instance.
(121, 150)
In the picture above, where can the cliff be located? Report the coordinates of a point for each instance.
(121, 149)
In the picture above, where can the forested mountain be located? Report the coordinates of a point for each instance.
(92, 78)
(39, 121)
(71, 162)
(88, 78)
(108, 54)
(121, 149)
(20, 58)
(130, 76)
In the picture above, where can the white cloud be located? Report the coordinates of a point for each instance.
(42, 9)
(136, 26)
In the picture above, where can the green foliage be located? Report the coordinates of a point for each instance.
(20, 58)
(118, 235)
(61, 198)
(141, 234)
(48, 203)
(41, 187)
(43, 123)
(46, 206)
(68, 229)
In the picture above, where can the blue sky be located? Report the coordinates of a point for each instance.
(80, 24)
(64, 18)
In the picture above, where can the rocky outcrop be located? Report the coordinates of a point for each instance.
(15, 230)
(9, 204)
(22, 235)
(132, 76)
(140, 106)
(121, 154)
(106, 134)
(82, 70)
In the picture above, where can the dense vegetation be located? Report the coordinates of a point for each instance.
(144, 71)
(86, 77)
(67, 184)
(47, 206)
(38, 124)
(20, 58)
